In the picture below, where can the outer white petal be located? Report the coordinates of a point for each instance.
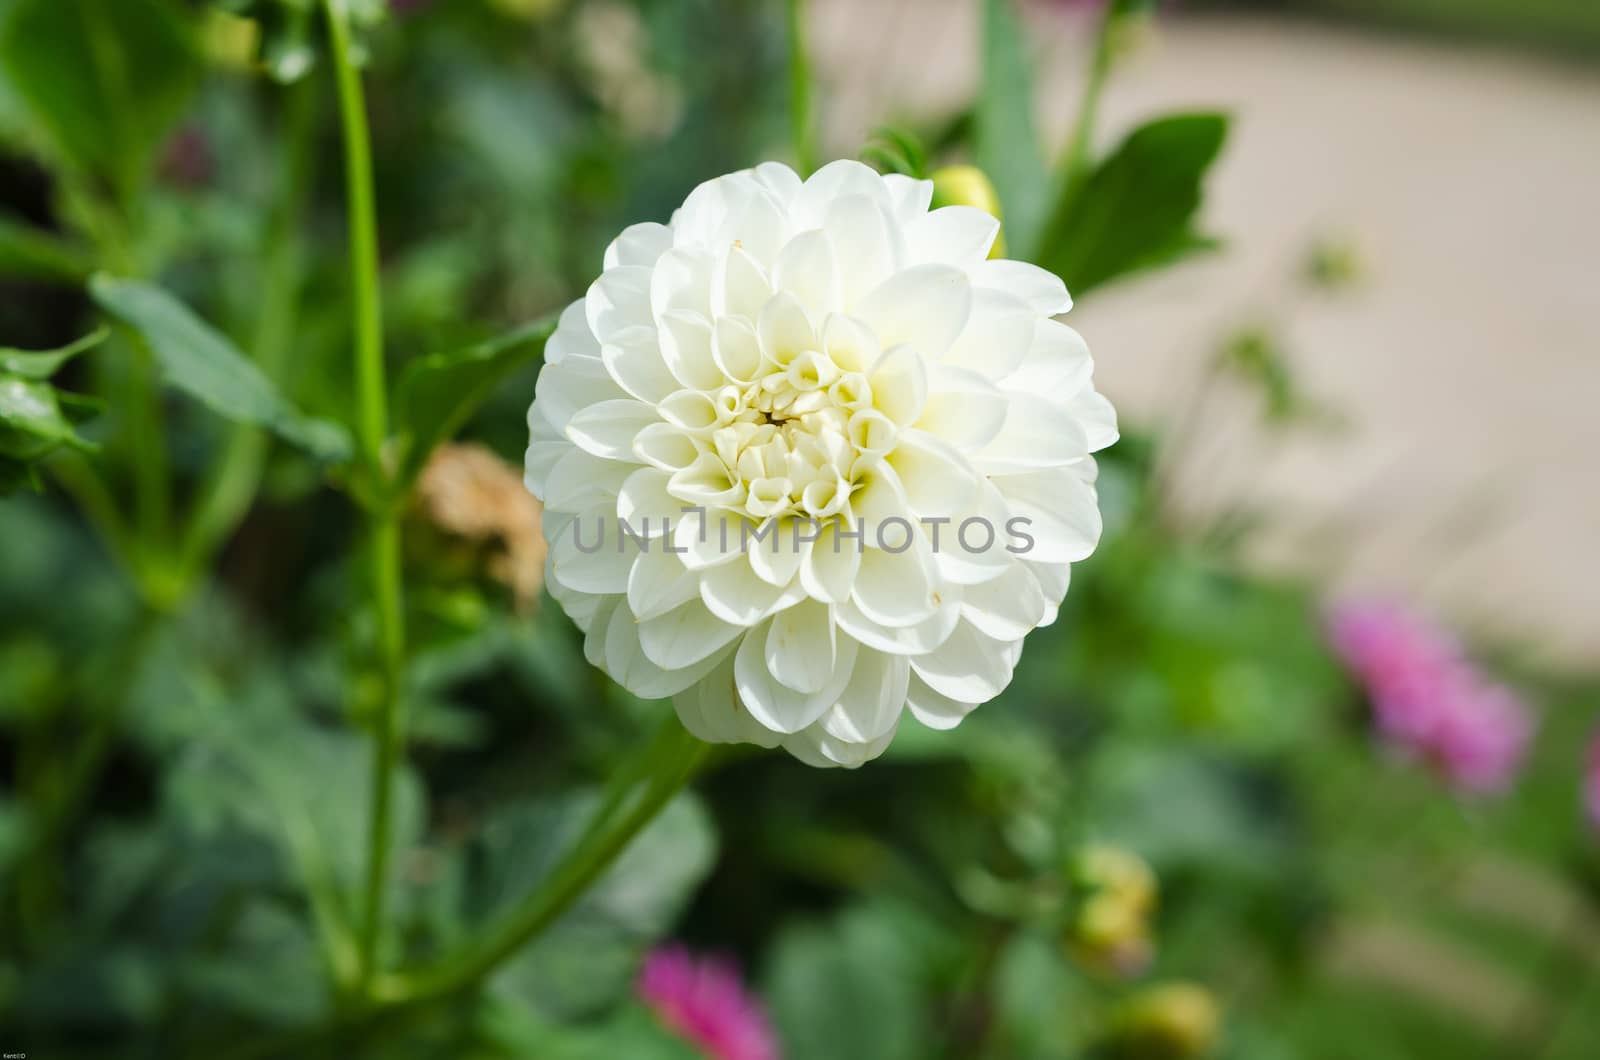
(711, 710)
(619, 299)
(908, 197)
(834, 181)
(1038, 433)
(1005, 608)
(580, 480)
(633, 359)
(998, 335)
(628, 666)
(573, 336)
(1041, 289)
(774, 704)
(934, 709)
(1063, 516)
(871, 703)
(734, 593)
(915, 640)
(968, 666)
(951, 235)
(658, 583)
(639, 244)
(828, 568)
(816, 747)
(805, 269)
(963, 408)
(576, 383)
(1057, 362)
(866, 252)
(1097, 416)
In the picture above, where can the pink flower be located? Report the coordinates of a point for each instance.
(1428, 699)
(1591, 782)
(704, 1001)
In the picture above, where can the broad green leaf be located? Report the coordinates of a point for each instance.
(588, 957)
(31, 420)
(34, 254)
(437, 394)
(1006, 139)
(201, 362)
(1137, 208)
(103, 79)
(849, 990)
(42, 364)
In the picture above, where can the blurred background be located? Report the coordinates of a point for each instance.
(1305, 769)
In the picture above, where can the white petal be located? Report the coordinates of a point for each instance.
(832, 182)
(1040, 288)
(871, 703)
(710, 709)
(1037, 434)
(925, 306)
(734, 593)
(666, 446)
(1061, 513)
(908, 197)
(684, 636)
(1006, 608)
(998, 335)
(785, 329)
(805, 269)
(628, 666)
(619, 299)
(1099, 419)
(681, 280)
(774, 704)
(545, 447)
(659, 582)
(646, 506)
(865, 252)
(902, 640)
(633, 359)
(573, 337)
(740, 287)
(777, 557)
(968, 666)
(897, 589)
(686, 349)
(576, 383)
(601, 564)
(736, 349)
(933, 709)
(815, 746)
(1057, 363)
(1053, 579)
(963, 408)
(899, 385)
(608, 428)
(850, 343)
(801, 646)
(937, 481)
(639, 244)
(828, 569)
(781, 181)
(581, 480)
(951, 235)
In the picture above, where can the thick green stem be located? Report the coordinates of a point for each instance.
(383, 545)
(665, 766)
(802, 123)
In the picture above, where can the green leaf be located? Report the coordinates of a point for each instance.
(34, 254)
(31, 421)
(588, 957)
(633, 1032)
(103, 79)
(1006, 139)
(437, 394)
(42, 364)
(1137, 208)
(203, 364)
(849, 990)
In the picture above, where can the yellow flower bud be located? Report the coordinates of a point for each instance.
(969, 186)
(1170, 1021)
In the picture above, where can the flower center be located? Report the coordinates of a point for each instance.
(793, 440)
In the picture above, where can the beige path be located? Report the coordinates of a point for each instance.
(1467, 366)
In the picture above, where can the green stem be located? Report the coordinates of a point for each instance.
(802, 127)
(383, 551)
(667, 765)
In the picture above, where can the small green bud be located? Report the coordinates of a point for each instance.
(969, 186)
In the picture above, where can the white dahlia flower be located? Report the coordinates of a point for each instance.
(809, 459)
